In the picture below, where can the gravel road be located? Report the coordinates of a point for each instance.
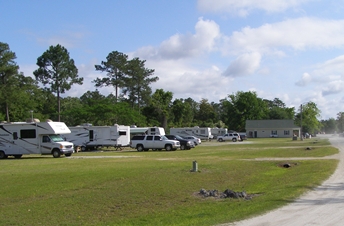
(322, 206)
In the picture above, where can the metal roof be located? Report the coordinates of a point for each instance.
(276, 124)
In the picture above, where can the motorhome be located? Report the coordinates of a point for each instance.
(34, 137)
(215, 132)
(203, 133)
(147, 130)
(88, 137)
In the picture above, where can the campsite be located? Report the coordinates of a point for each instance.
(127, 187)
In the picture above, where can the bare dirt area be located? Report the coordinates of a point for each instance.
(322, 206)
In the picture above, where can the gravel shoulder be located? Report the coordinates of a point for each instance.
(322, 206)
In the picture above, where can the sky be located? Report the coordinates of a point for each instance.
(203, 49)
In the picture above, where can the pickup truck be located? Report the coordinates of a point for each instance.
(229, 136)
(155, 142)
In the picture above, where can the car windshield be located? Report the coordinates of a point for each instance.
(179, 137)
(164, 138)
(56, 137)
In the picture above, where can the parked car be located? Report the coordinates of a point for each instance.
(196, 140)
(243, 136)
(154, 142)
(273, 135)
(229, 137)
(184, 143)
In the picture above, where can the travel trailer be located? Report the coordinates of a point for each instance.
(88, 137)
(215, 132)
(203, 133)
(34, 137)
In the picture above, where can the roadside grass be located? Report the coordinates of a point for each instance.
(145, 188)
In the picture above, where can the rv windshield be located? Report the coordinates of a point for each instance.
(56, 137)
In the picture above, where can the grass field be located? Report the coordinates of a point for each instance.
(157, 188)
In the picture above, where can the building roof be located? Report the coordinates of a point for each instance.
(276, 124)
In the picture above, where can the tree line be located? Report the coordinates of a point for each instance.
(133, 103)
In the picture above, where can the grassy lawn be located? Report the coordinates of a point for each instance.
(145, 188)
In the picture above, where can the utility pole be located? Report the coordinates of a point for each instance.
(301, 124)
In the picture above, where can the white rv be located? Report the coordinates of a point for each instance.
(23, 138)
(90, 137)
(215, 132)
(203, 133)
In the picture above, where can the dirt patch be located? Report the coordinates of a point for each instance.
(228, 193)
(287, 164)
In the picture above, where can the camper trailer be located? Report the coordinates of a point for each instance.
(215, 132)
(88, 137)
(34, 137)
(203, 133)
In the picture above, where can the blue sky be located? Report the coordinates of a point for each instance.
(287, 49)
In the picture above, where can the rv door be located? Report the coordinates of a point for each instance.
(27, 141)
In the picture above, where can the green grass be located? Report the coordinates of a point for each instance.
(146, 188)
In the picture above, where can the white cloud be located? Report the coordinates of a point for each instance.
(291, 34)
(185, 45)
(306, 79)
(245, 64)
(333, 87)
(183, 80)
(243, 8)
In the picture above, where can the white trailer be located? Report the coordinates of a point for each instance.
(203, 133)
(24, 138)
(215, 132)
(90, 137)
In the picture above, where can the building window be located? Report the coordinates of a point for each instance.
(273, 132)
(286, 132)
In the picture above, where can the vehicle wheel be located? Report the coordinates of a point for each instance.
(182, 147)
(18, 156)
(83, 148)
(2, 155)
(168, 147)
(56, 153)
(220, 140)
(234, 140)
(68, 155)
(139, 147)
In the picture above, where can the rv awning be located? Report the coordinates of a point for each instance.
(138, 130)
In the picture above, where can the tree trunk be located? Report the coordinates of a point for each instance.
(58, 105)
(7, 113)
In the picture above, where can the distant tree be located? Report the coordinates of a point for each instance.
(194, 108)
(114, 66)
(329, 126)
(240, 107)
(161, 103)
(8, 69)
(206, 115)
(182, 114)
(137, 83)
(58, 70)
(340, 121)
(278, 110)
(310, 114)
